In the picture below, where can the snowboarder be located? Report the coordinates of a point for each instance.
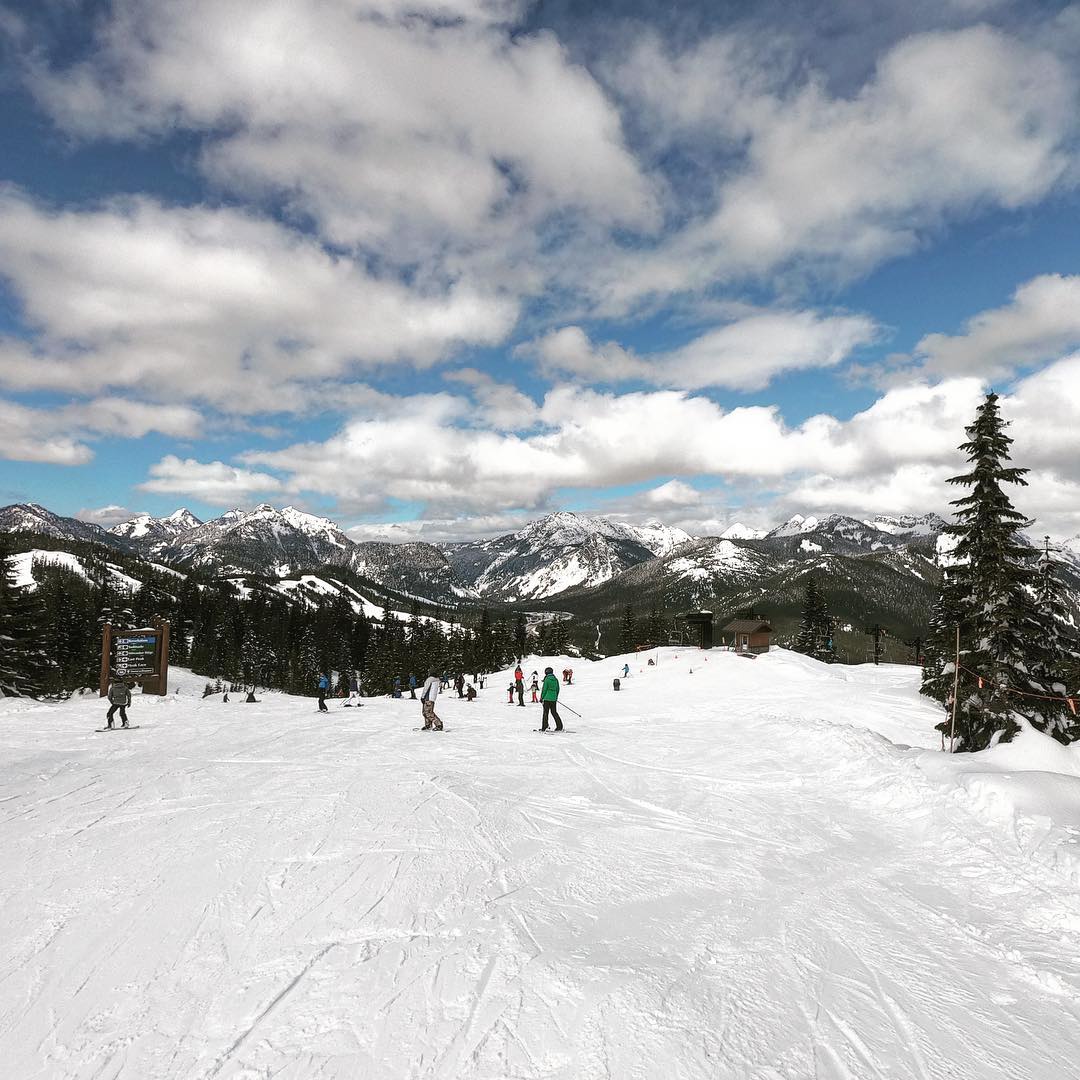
(459, 685)
(354, 691)
(396, 687)
(470, 693)
(119, 698)
(427, 702)
(412, 686)
(549, 695)
(324, 689)
(535, 688)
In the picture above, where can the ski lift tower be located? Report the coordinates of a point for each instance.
(697, 627)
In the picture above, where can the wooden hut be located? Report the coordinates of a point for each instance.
(749, 636)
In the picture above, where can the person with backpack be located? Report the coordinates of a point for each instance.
(427, 702)
(324, 689)
(119, 698)
(549, 695)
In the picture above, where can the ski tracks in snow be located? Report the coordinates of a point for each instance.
(724, 890)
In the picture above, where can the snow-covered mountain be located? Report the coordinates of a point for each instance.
(909, 525)
(738, 531)
(839, 533)
(33, 518)
(558, 552)
(150, 532)
(263, 540)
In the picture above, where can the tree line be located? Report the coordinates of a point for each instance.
(243, 633)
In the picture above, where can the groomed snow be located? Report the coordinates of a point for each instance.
(741, 872)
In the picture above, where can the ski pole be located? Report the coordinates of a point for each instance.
(574, 711)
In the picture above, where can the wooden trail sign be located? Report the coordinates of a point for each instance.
(141, 656)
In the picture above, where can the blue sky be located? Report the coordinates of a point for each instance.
(436, 268)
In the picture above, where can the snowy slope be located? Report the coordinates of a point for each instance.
(737, 872)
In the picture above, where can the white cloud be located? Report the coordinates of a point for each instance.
(746, 354)
(675, 494)
(503, 406)
(894, 455)
(1040, 322)
(213, 482)
(949, 123)
(211, 305)
(106, 516)
(390, 130)
(59, 435)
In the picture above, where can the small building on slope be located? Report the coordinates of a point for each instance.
(749, 636)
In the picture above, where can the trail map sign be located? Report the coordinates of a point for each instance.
(139, 655)
(136, 654)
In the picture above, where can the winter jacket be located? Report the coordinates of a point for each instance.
(119, 694)
(324, 683)
(431, 689)
(550, 690)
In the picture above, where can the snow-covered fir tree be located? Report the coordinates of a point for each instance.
(25, 665)
(816, 625)
(629, 634)
(1057, 658)
(992, 598)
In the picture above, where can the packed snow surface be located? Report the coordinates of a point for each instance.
(758, 869)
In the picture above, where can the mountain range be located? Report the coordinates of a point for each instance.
(882, 568)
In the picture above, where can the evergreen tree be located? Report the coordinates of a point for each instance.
(1057, 662)
(991, 595)
(25, 666)
(816, 625)
(520, 634)
(628, 636)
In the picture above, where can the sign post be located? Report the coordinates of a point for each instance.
(140, 655)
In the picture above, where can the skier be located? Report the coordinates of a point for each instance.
(412, 686)
(324, 689)
(625, 670)
(427, 702)
(510, 694)
(119, 698)
(519, 686)
(549, 695)
(396, 687)
(354, 691)
(459, 685)
(535, 688)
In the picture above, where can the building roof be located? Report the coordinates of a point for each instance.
(747, 626)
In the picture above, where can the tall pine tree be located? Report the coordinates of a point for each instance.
(991, 595)
(816, 625)
(25, 665)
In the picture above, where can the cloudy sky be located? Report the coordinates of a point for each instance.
(438, 266)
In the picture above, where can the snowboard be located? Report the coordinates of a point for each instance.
(431, 729)
(555, 731)
(130, 727)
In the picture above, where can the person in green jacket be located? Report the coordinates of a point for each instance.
(549, 695)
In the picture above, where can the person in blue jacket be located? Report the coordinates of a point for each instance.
(412, 686)
(324, 689)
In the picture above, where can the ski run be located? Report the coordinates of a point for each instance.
(760, 870)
